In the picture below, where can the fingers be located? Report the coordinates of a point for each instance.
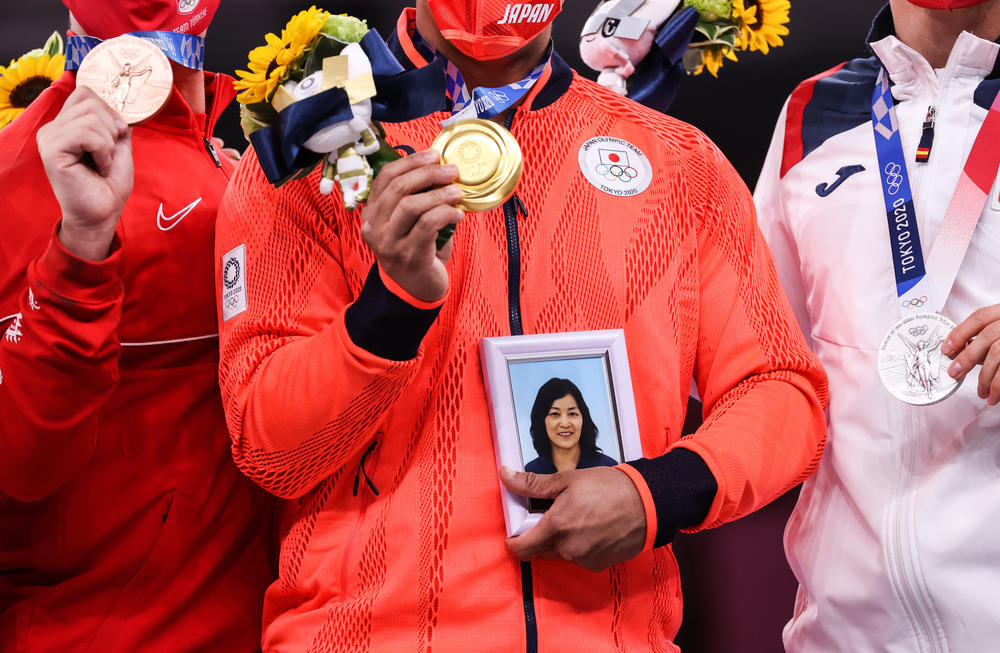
(85, 125)
(536, 486)
(412, 207)
(989, 381)
(535, 542)
(969, 329)
(975, 352)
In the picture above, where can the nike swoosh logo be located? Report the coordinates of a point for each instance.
(823, 190)
(167, 223)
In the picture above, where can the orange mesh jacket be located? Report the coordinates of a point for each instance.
(398, 543)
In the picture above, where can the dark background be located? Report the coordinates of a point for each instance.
(738, 589)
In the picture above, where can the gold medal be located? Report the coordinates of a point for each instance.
(488, 158)
(132, 75)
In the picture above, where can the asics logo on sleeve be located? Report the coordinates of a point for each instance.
(13, 333)
(824, 189)
(527, 13)
(166, 223)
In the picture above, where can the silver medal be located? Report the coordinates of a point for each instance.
(910, 362)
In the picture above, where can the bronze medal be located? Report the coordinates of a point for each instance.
(132, 75)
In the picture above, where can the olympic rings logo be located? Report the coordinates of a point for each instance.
(232, 302)
(916, 302)
(624, 174)
(227, 280)
(921, 330)
(893, 178)
(186, 6)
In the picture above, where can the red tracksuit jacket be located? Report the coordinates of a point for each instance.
(124, 525)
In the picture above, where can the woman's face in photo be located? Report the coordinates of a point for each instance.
(564, 423)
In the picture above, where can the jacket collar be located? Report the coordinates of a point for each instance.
(970, 55)
(177, 115)
(551, 86)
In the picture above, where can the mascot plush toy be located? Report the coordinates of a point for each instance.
(619, 35)
(345, 144)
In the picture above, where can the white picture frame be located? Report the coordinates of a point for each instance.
(514, 370)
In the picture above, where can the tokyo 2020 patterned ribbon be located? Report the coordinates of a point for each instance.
(917, 285)
(186, 49)
(482, 102)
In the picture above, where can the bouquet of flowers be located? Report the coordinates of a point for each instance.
(28, 75)
(309, 99)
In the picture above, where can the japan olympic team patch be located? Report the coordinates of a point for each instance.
(615, 166)
(234, 285)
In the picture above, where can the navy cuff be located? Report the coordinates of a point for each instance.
(385, 325)
(683, 490)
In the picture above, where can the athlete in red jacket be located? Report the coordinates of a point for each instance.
(351, 374)
(124, 525)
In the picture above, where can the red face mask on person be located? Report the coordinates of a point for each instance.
(945, 4)
(106, 19)
(492, 29)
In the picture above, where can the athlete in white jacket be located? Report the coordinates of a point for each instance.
(895, 540)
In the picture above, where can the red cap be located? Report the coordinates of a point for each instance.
(946, 4)
(492, 29)
(107, 19)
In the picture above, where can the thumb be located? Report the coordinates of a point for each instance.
(537, 486)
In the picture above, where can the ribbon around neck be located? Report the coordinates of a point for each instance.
(401, 96)
(186, 49)
(658, 77)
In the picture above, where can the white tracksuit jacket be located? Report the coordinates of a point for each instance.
(896, 539)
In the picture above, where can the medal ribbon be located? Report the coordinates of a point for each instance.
(914, 287)
(186, 49)
(483, 102)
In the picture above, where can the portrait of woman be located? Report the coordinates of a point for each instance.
(562, 431)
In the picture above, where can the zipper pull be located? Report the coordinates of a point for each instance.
(519, 205)
(211, 152)
(927, 137)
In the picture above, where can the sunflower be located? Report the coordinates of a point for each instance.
(24, 80)
(762, 23)
(270, 63)
(709, 58)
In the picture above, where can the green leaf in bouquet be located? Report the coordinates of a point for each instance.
(385, 155)
(324, 46)
(715, 33)
(54, 45)
(256, 116)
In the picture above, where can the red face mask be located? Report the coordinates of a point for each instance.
(945, 4)
(492, 29)
(106, 19)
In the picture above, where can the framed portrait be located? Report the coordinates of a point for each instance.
(557, 402)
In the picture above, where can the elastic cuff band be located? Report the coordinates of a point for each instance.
(682, 489)
(386, 324)
(398, 291)
(647, 502)
(76, 279)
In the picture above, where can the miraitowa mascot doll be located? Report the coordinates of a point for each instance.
(651, 36)
(346, 144)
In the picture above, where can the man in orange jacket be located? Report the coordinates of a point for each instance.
(124, 525)
(351, 377)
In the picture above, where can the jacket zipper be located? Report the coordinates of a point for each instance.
(510, 210)
(212, 153)
(904, 566)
